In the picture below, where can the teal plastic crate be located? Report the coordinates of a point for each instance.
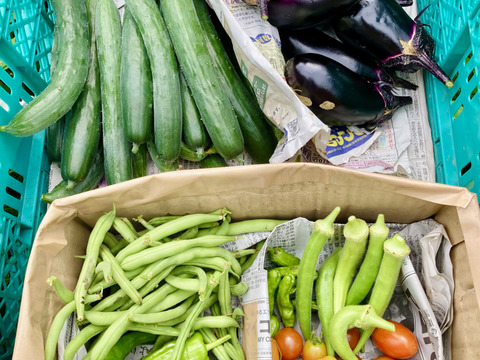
(26, 29)
(455, 113)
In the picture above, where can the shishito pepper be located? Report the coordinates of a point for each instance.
(195, 349)
(284, 302)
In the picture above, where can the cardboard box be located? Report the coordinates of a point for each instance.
(283, 191)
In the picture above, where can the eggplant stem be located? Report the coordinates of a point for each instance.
(430, 65)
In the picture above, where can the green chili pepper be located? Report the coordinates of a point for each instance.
(283, 270)
(274, 325)
(282, 258)
(273, 280)
(128, 342)
(195, 349)
(284, 303)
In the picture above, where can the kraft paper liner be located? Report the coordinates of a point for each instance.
(274, 190)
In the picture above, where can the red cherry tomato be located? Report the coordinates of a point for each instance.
(353, 335)
(290, 343)
(275, 352)
(383, 357)
(399, 344)
(314, 350)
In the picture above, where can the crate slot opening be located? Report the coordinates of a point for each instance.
(469, 56)
(10, 210)
(471, 75)
(28, 90)
(15, 175)
(458, 112)
(474, 92)
(22, 102)
(457, 94)
(5, 87)
(13, 193)
(4, 105)
(466, 168)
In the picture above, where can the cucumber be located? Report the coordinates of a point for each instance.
(91, 181)
(135, 84)
(260, 141)
(160, 164)
(83, 127)
(139, 161)
(213, 161)
(69, 76)
(195, 136)
(197, 65)
(108, 30)
(167, 105)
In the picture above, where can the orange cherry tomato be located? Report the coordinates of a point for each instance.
(383, 357)
(290, 343)
(398, 344)
(314, 350)
(275, 352)
(353, 336)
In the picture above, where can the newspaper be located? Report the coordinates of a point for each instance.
(428, 316)
(401, 146)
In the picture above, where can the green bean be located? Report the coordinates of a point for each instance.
(322, 231)
(188, 234)
(124, 230)
(64, 294)
(239, 288)
(356, 235)
(368, 271)
(217, 230)
(104, 269)
(110, 240)
(214, 263)
(167, 229)
(95, 239)
(102, 284)
(103, 318)
(159, 220)
(154, 329)
(152, 254)
(57, 324)
(119, 275)
(359, 316)
(172, 299)
(215, 322)
(80, 339)
(194, 313)
(252, 258)
(144, 222)
(198, 284)
(209, 337)
(253, 225)
(244, 252)
(165, 315)
(395, 250)
(120, 245)
(324, 295)
(161, 340)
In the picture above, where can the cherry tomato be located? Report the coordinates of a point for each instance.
(358, 357)
(328, 357)
(290, 343)
(275, 352)
(314, 350)
(383, 357)
(353, 335)
(399, 344)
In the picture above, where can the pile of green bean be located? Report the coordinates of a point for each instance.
(153, 282)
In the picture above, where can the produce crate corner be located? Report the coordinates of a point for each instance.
(454, 113)
(26, 29)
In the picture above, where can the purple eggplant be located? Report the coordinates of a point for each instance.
(315, 41)
(300, 14)
(383, 30)
(337, 95)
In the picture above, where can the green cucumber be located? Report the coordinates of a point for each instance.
(83, 126)
(108, 30)
(69, 76)
(160, 164)
(167, 105)
(94, 176)
(195, 136)
(197, 65)
(212, 161)
(135, 84)
(260, 141)
(139, 161)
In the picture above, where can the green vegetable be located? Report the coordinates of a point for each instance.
(128, 342)
(160, 164)
(260, 142)
(280, 257)
(356, 235)
(54, 140)
(197, 65)
(360, 316)
(195, 349)
(139, 161)
(83, 125)
(273, 281)
(94, 176)
(251, 259)
(395, 250)
(212, 161)
(274, 325)
(323, 230)
(284, 303)
(108, 30)
(135, 85)
(324, 295)
(69, 76)
(368, 271)
(167, 104)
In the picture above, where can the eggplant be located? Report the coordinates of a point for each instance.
(337, 95)
(316, 41)
(300, 14)
(383, 30)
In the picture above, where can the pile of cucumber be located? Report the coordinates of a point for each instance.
(158, 84)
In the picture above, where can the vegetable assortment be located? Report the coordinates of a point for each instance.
(160, 84)
(165, 282)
